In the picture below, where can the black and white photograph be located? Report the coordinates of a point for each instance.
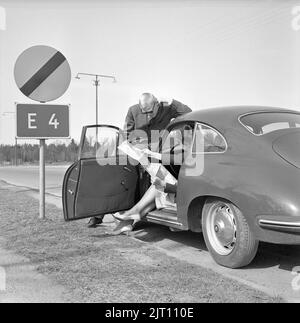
(150, 154)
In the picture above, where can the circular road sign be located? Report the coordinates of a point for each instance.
(42, 73)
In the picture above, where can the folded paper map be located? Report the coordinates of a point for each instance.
(155, 169)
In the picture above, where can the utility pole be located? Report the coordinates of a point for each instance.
(96, 79)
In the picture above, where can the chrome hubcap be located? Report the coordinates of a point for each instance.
(221, 229)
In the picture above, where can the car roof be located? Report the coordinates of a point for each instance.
(224, 117)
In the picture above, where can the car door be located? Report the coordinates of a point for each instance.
(101, 181)
(174, 142)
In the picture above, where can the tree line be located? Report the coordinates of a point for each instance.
(29, 153)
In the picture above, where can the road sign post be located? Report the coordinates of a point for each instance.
(42, 179)
(41, 122)
(43, 74)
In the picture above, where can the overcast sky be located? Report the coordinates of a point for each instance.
(204, 53)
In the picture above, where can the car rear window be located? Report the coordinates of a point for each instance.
(262, 123)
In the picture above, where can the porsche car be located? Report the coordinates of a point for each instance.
(248, 190)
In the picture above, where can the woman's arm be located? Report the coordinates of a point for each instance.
(165, 187)
(170, 188)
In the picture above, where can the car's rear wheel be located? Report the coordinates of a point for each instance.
(227, 234)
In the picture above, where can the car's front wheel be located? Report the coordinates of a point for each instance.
(227, 234)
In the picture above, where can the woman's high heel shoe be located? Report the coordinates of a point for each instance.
(123, 217)
(122, 227)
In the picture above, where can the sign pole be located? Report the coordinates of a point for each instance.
(39, 121)
(42, 179)
(97, 111)
(16, 152)
(42, 122)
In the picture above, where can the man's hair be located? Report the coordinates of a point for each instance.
(148, 95)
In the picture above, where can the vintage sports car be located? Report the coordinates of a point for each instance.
(248, 191)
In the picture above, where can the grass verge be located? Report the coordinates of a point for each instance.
(96, 267)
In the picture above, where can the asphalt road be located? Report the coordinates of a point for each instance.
(23, 283)
(28, 176)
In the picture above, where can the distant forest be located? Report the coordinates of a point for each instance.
(29, 154)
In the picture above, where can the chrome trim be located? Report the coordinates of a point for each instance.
(263, 111)
(279, 223)
(163, 220)
(72, 180)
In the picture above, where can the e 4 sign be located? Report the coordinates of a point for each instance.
(40, 121)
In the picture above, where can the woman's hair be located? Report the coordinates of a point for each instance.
(187, 127)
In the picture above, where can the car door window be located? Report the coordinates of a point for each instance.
(179, 137)
(211, 140)
(177, 146)
(97, 183)
(100, 142)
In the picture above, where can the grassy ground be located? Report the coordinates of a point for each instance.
(96, 267)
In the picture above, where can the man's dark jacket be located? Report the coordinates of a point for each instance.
(158, 119)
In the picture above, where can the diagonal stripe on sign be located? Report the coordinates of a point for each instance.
(43, 73)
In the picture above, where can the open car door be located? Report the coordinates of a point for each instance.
(101, 181)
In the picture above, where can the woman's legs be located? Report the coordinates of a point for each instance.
(145, 205)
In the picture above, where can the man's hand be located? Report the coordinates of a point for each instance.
(165, 101)
(159, 184)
